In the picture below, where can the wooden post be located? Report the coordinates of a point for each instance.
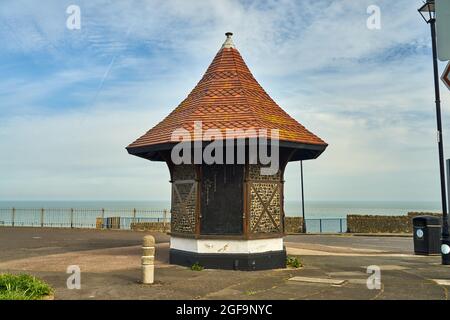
(198, 200)
(42, 217)
(247, 202)
(282, 213)
(13, 217)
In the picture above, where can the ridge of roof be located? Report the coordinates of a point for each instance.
(250, 106)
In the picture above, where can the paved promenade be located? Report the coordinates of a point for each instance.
(334, 268)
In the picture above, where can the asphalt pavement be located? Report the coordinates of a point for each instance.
(110, 268)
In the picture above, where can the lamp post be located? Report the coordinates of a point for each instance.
(303, 198)
(428, 13)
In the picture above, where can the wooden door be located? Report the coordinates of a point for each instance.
(222, 199)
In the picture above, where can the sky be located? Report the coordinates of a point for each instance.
(72, 100)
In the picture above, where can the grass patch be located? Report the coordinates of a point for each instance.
(22, 287)
(250, 292)
(293, 262)
(196, 267)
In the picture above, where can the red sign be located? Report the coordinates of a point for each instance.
(446, 76)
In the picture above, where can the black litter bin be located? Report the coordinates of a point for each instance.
(427, 235)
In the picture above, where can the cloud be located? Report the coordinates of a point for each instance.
(368, 93)
(72, 156)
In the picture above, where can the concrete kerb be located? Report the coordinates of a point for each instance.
(403, 235)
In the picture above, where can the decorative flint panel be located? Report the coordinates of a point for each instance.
(265, 201)
(184, 195)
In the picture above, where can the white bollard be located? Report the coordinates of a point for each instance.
(148, 260)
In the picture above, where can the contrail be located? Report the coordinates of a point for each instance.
(104, 78)
(108, 69)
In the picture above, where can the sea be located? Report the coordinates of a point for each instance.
(313, 209)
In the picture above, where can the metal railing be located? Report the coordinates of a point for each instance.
(326, 225)
(120, 219)
(79, 218)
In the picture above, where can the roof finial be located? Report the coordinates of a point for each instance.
(228, 42)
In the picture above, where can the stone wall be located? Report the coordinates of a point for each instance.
(265, 191)
(293, 224)
(150, 226)
(184, 194)
(355, 224)
(382, 224)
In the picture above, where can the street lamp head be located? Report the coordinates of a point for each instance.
(427, 11)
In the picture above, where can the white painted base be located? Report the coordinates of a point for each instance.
(226, 246)
(148, 273)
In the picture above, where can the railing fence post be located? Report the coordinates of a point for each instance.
(71, 218)
(340, 223)
(13, 217)
(42, 217)
(103, 218)
(164, 218)
(320, 225)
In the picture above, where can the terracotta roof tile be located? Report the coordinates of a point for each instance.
(228, 97)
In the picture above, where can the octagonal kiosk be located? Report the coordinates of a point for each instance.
(227, 213)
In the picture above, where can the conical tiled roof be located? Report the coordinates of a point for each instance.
(228, 97)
